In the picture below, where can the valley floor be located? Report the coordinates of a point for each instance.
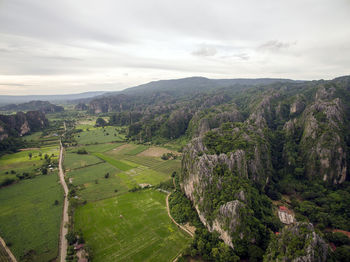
(119, 225)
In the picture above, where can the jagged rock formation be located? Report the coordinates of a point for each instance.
(21, 123)
(81, 107)
(322, 137)
(43, 106)
(297, 243)
(110, 104)
(248, 158)
(298, 131)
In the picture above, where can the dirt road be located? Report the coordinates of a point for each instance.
(65, 219)
(12, 257)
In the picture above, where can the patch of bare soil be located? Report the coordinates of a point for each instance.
(120, 148)
(30, 148)
(190, 228)
(156, 152)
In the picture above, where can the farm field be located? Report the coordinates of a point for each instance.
(94, 185)
(144, 232)
(74, 160)
(21, 162)
(98, 148)
(29, 219)
(131, 227)
(99, 135)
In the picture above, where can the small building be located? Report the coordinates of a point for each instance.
(285, 215)
(78, 246)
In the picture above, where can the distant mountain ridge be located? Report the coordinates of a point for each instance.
(5, 99)
(196, 84)
(167, 90)
(43, 106)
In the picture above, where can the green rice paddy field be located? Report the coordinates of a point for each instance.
(126, 226)
(99, 135)
(131, 227)
(126, 170)
(29, 219)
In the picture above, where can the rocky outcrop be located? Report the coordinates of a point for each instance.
(81, 107)
(199, 180)
(117, 103)
(297, 106)
(323, 141)
(320, 131)
(22, 123)
(297, 243)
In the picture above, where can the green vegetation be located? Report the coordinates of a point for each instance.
(25, 164)
(181, 209)
(29, 219)
(99, 135)
(325, 207)
(121, 165)
(131, 227)
(98, 148)
(86, 179)
(209, 247)
(100, 122)
(73, 160)
(228, 139)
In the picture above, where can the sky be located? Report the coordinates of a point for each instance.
(73, 46)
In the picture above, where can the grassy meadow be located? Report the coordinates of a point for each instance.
(74, 160)
(99, 135)
(29, 219)
(131, 227)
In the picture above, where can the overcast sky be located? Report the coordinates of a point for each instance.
(72, 46)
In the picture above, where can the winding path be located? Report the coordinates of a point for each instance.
(180, 226)
(65, 218)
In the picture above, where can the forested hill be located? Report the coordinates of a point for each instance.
(165, 91)
(196, 85)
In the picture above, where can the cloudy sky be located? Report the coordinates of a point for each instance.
(72, 46)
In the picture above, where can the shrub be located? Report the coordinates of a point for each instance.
(82, 151)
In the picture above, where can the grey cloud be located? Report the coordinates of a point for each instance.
(274, 45)
(64, 38)
(240, 56)
(13, 84)
(205, 51)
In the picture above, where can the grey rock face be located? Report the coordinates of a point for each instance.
(311, 248)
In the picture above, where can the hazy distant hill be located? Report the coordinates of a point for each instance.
(194, 85)
(166, 91)
(5, 100)
(43, 106)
